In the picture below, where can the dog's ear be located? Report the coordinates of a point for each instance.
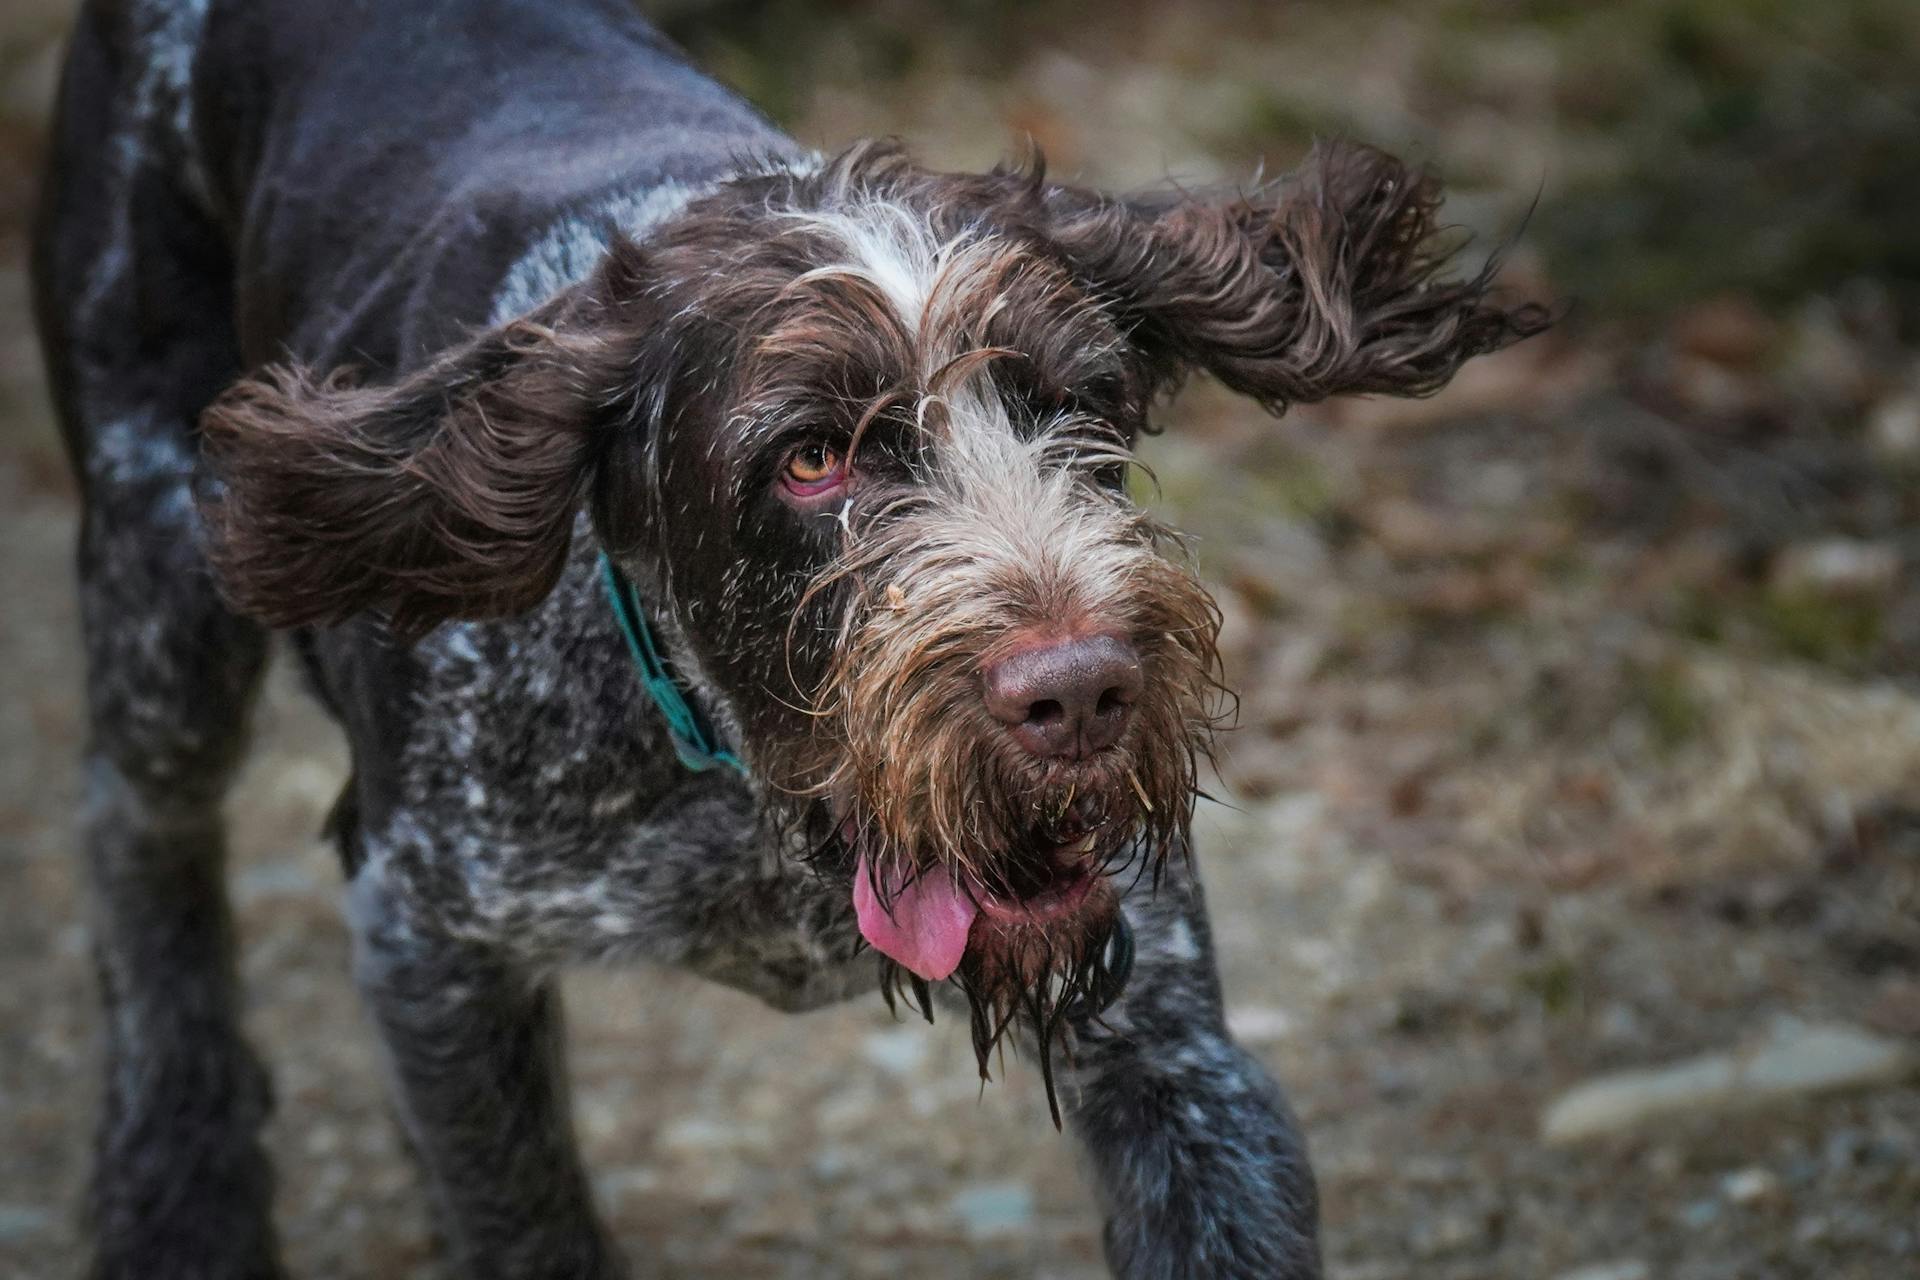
(1331, 280)
(451, 493)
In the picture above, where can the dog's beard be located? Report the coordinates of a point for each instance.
(907, 776)
(1053, 975)
(904, 749)
(1050, 978)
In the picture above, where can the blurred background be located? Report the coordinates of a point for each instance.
(1571, 874)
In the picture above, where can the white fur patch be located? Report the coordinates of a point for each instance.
(573, 245)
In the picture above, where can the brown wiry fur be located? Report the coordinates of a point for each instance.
(903, 740)
(1327, 282)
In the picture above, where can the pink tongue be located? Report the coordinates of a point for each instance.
(927, 929)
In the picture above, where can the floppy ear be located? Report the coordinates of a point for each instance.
(451, 493)
(1328, 281)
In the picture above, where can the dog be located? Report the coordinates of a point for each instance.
(717, 554)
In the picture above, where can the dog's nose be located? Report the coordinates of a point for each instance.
(1066, 699)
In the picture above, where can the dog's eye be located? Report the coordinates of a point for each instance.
(813, 468)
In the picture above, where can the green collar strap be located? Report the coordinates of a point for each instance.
(693, 737)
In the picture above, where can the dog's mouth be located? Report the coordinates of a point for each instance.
(1030, 930)
(929, 919)
(1043, 887)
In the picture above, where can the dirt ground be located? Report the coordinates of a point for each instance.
(1580, 731)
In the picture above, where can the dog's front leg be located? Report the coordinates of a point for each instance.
(1198, 1165)
(474, 1043)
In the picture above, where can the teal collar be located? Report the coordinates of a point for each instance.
(693, 738)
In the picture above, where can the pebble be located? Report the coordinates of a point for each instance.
(18, 1220)
(988, 1209)
(1838, 567)
(1792, 1059)
(1749, 1186)
(285, 879)
(899, 1051)
(1255, 1024)
(694, 1134)
(1893, 427)
(1619, 1023)
(634, 1180)
(1623, 1269)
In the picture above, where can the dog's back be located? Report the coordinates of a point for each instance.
(367, 172)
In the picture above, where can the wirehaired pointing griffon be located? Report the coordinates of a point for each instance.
(716, 555)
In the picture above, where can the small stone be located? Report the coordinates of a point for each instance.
(1793, 1059)
(1256, 1024)
(1700, 1214)
(17, 1220)
(615, 1185)
(1798, 1058)
(988, 1209)
(1623, 1269)
(1749, 1186)
(285, 879)
(899, 1051)
(1837, 567)
(1619, 1023)
(1893, 427)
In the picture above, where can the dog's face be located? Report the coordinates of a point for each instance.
(863, 435)
(887, 512)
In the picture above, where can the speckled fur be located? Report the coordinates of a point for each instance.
(237, 183)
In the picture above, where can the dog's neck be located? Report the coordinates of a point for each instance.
(695, 740)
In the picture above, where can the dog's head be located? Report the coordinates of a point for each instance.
(863, 433)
